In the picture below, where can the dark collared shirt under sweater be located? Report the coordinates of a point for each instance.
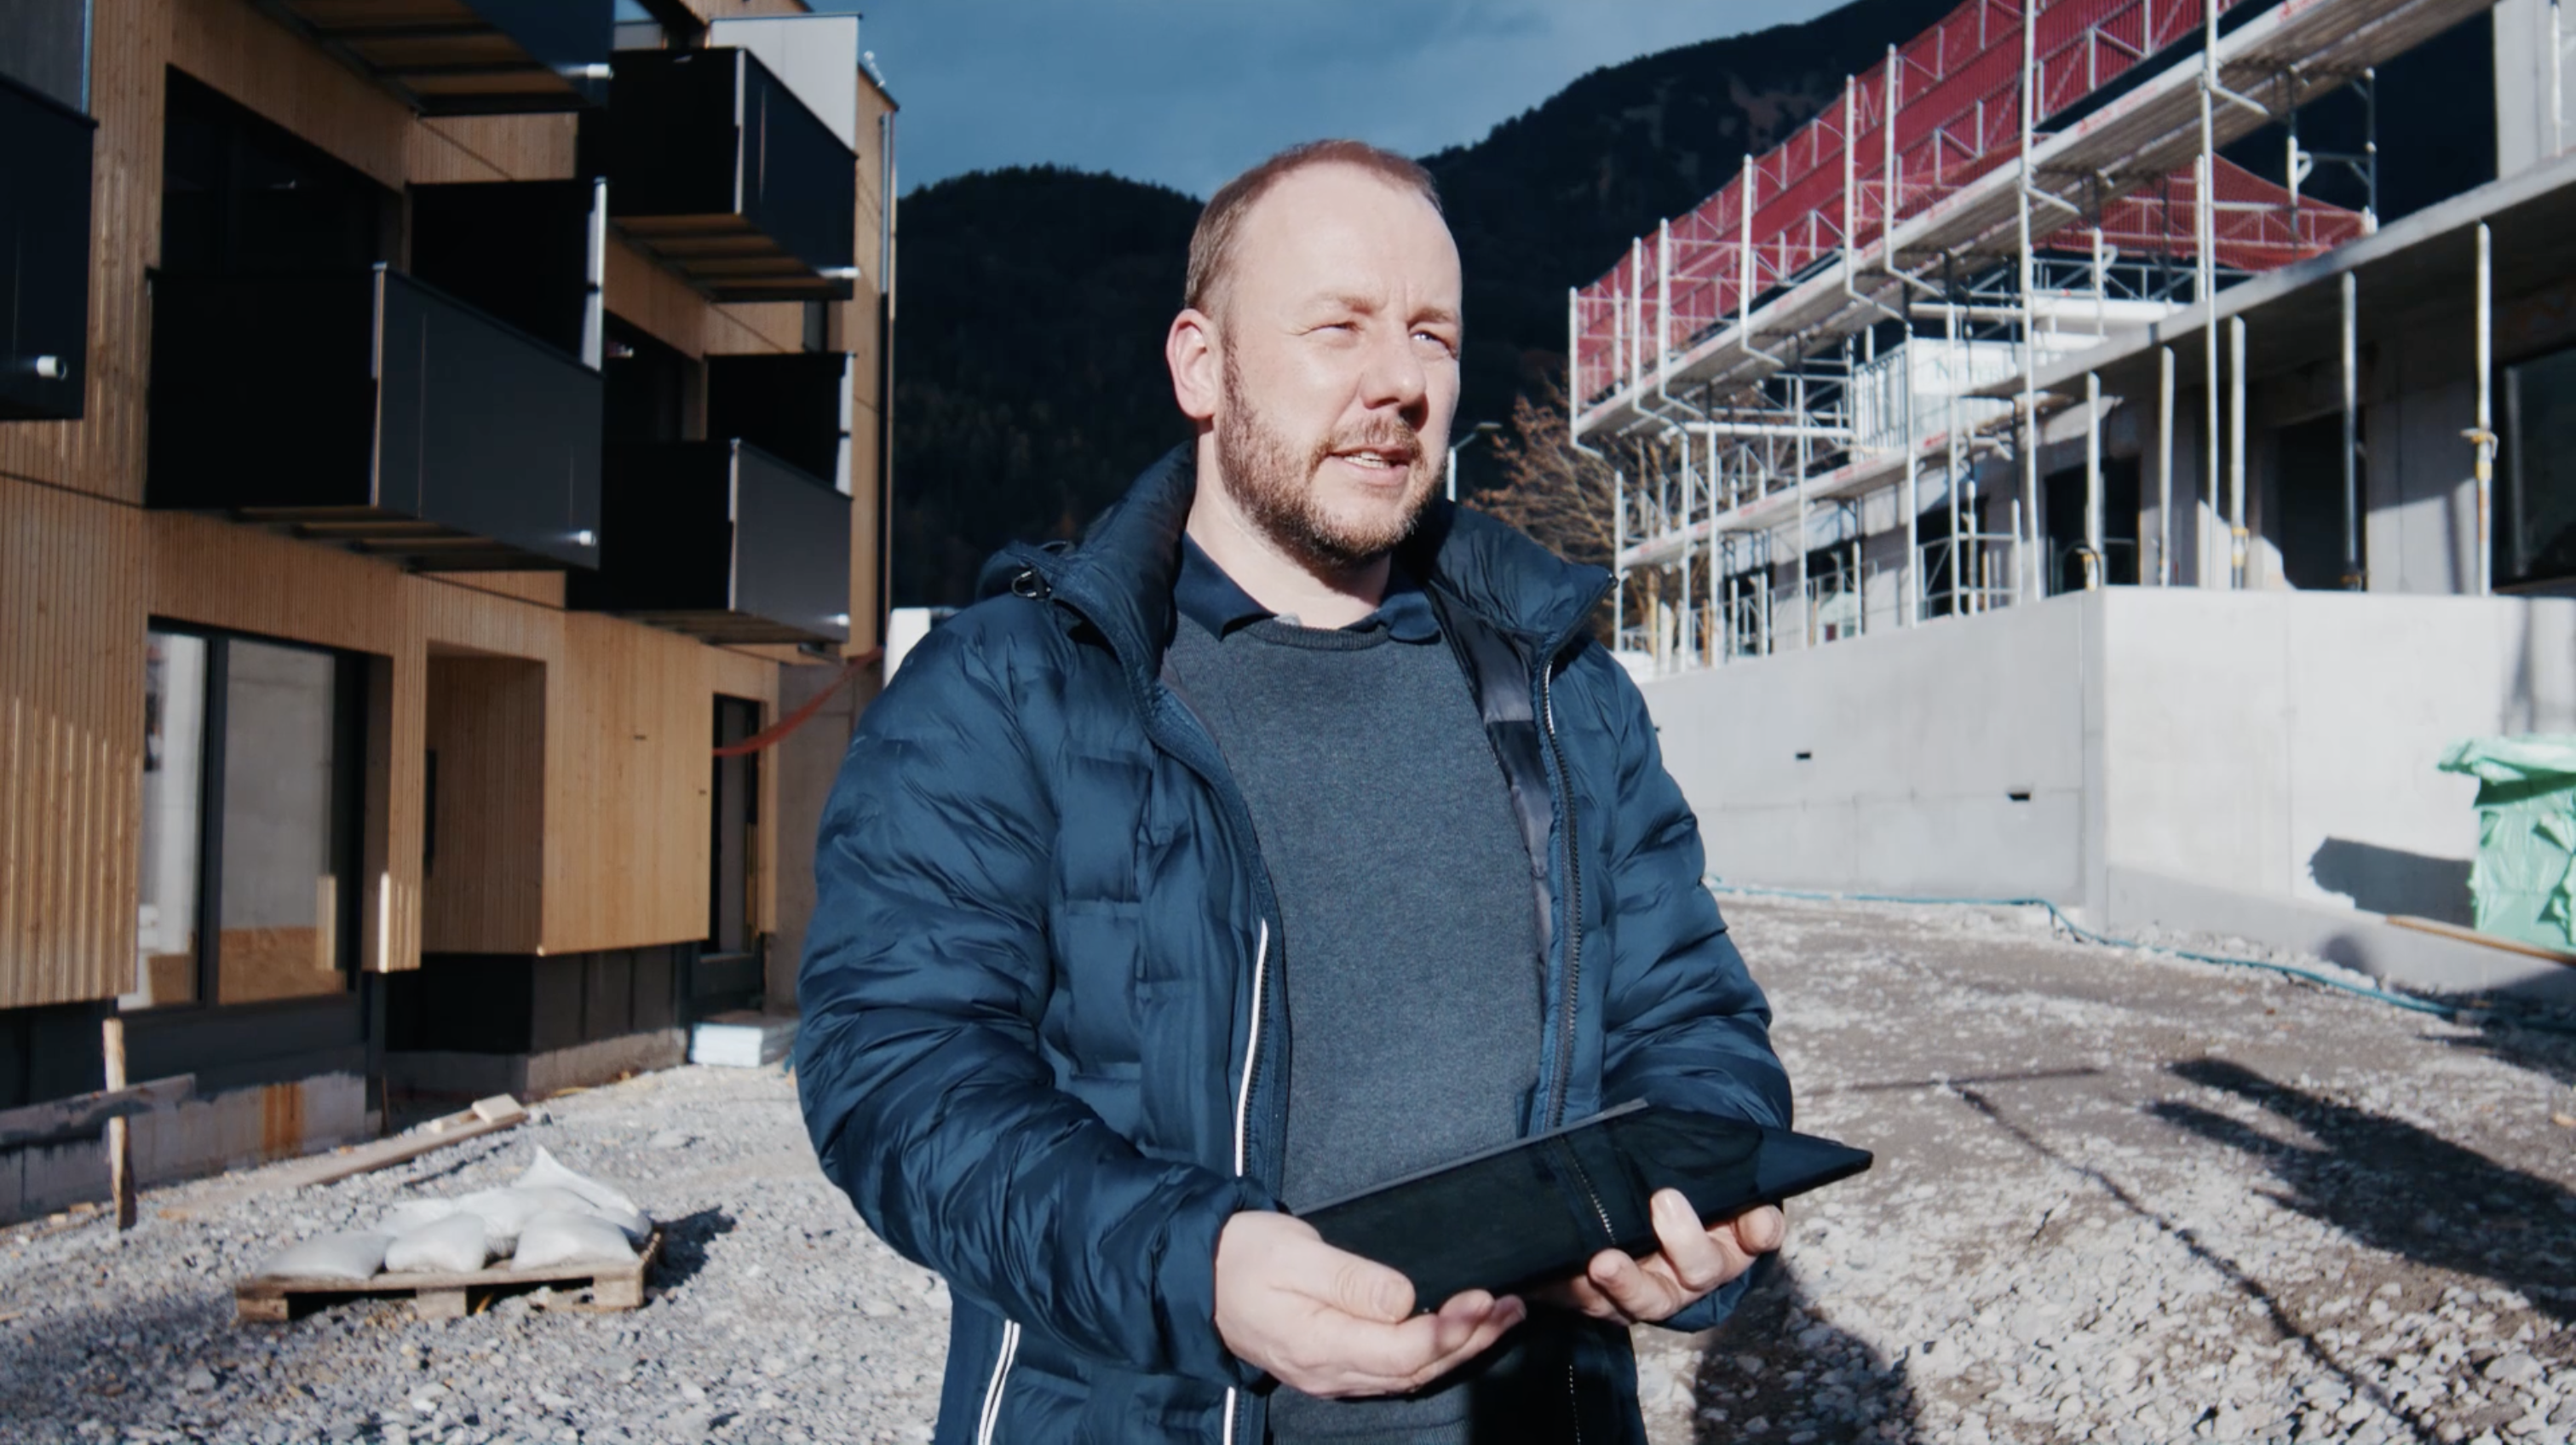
(1410, 955)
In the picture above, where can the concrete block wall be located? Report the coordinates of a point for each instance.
(2278, 744)
(1916, 743)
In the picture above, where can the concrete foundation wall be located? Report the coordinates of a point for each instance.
(2274, 743)
(2283, 743)
(1916, 742)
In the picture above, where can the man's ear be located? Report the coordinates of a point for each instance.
(1190, 350)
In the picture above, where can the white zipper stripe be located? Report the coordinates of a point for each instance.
(993, 1391)
(1243, 1097)
(1251, 1045)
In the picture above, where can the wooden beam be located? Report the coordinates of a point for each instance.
(82, 1114)
(2487, 940)
(488, 1116)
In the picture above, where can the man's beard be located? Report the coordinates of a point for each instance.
(1274, 483)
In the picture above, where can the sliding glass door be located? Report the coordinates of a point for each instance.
(250, 802)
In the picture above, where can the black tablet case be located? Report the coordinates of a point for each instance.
(1538, 1209)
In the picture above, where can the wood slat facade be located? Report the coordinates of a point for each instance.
(575, 769)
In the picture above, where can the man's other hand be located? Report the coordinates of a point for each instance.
(1692, 1262)
(1330, 1323)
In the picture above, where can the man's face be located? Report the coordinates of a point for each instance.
(1339, 327)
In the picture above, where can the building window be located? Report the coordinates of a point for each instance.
(250, 826)
(2535, 532)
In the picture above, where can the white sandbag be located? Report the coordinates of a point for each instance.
(411, 1214)
(454, 1245)
(353, 1256)
(561, 1237)
(601, 1200)
(503, 1212)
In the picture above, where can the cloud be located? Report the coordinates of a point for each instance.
(1188, 92)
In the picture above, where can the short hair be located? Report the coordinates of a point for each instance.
(1212, 243)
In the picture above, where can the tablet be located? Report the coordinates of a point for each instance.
(1536, 1210)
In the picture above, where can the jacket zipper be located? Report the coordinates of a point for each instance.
(1573, 976)
(1591, 1196)
(992, 1417)
(1574, 901)
(1243, 1098)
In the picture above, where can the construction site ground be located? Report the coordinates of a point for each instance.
(2119, 1197)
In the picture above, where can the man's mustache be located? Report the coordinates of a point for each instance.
(1392, 435)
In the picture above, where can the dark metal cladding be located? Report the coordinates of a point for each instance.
(760, 211)
(723, 541)
(789, 404)
(44, 256)
(367, 408)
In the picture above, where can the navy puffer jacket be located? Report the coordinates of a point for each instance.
(1043, 1050)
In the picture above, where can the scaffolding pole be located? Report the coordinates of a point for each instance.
(2236, 537)
(2025, 559)
(2205, 243)
(2353, 578)
(2484, 437)
(2164, 465)
(1910, 577)
(2093, 561)
(1806, 604)
(1950, 464)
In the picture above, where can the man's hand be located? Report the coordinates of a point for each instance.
(1330, 1323)
(1692, 1262)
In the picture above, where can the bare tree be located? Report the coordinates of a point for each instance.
(1559, 496)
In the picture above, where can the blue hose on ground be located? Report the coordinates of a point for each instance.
(2405, 1001)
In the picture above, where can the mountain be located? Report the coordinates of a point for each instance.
(1029, 381)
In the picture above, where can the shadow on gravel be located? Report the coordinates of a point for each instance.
(1774, 1372)
(2399, 1188)
(2244, 1282)
(684, 1246)
(2538, 1051)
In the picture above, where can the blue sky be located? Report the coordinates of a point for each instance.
(1188, 92)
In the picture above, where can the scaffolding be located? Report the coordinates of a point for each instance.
(1826, 349)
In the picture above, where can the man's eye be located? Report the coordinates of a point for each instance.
(1447, 347)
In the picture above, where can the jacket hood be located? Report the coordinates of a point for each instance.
(1120, 576)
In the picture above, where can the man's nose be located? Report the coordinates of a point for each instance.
(1394, 376)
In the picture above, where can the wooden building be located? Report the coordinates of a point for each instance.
(429, 429)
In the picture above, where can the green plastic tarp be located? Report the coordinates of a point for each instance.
(2523, 885)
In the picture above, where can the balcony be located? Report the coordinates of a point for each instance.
(722, 541)
(793, 405)
(366, 409)
(717, 168)
(44, 255)
(467, 57)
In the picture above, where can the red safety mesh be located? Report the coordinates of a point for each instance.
(1957, 116)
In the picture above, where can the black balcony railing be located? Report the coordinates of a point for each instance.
(367, 409)
(716, 167)
(44, 255)
(470, 57)
(722, 541)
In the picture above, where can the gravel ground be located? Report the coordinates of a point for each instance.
(2124, 1197)
(2119, 1197)
(773, 1316)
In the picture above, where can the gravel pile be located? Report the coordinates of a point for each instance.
(2119, 1198)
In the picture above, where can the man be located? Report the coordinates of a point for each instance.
(1288, 835)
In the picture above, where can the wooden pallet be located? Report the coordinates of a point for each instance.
(447, 1296)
